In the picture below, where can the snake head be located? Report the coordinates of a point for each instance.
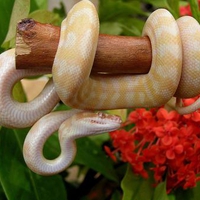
(95, 123)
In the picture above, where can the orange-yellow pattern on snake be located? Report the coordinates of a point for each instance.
(189, 85)
(190, 37)
(75, 55)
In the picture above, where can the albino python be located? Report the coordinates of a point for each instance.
(20, 115)
(174, 72)
(78, 124)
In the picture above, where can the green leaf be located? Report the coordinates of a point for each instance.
(174, 7)
(171, 197)
(62, 107)
(116, 195)
(92, 156)
(110, 10)
(196, 191)
(2, 194)
(38, 5)
(100, 139)
(18, 92)
(195, 9)
(45, 16)
(157, 3)
(135, 187)
(184, 194)
(112, 28)
(122, 27)
(160, 192)
(61, 10)
(171, 5)
(121, 17)
(17, 180)
(189, 194)
(5, 13)
(52, 147)
(42, 4)
(20, 10)
(131, 26)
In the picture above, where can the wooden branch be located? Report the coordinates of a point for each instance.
(36, 45)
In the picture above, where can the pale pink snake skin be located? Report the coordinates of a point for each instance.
(174, 71)
(20, 115)
(78, 124)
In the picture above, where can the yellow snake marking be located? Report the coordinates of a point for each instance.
(80, 90)
(189, 83)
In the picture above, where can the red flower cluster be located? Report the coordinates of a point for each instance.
(164, 142)
(186, 10)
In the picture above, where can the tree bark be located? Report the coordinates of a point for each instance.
(36, 46)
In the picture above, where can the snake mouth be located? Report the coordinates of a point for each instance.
(105, 121)
(99, 122)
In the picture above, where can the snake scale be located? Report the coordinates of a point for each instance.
(174, 71)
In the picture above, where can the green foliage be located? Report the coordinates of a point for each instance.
(171, 5)
(60, 11)
(18, 93)
(119, 17)
(190, 194)
(195, 9)
(38, 4)
(135, 187)
(2, 194)
(116, 195)
(5, 13)
(20, 11)
(16, 179)
(45, 16)
(122, 17)
(160, 192)
(90, 155)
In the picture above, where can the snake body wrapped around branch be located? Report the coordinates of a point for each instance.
(174, 72)
(174, 68)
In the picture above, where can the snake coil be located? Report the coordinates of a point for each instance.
(174, 69)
